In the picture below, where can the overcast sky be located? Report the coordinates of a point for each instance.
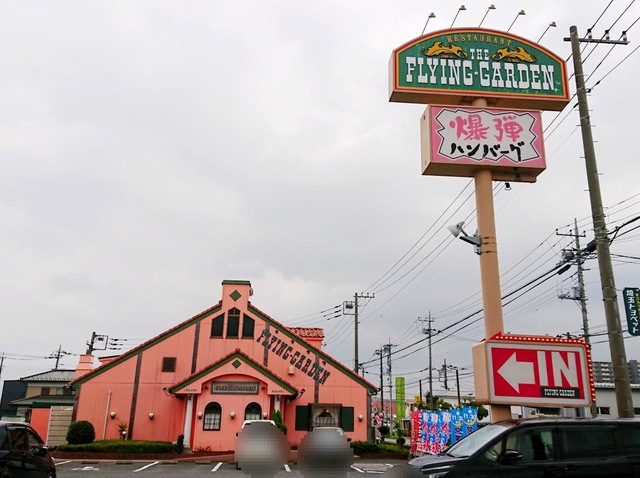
(151, 150)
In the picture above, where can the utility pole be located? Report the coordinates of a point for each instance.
(582, 297)
(381, 353)
(1, 364)
(444, 369)
(458, 387)
(357, 296)
(57, 355)
(609, 295)
(428, 330)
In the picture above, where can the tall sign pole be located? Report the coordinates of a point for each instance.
(484, 90)
(609, 296)
(489, 270)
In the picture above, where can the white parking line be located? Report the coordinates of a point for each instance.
(217, 466)
(146, 466)
(63, 462)
(286, 467)
(357, 469)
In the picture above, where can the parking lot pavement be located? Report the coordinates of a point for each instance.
(211, 468)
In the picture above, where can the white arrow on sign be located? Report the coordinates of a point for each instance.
(517, 373)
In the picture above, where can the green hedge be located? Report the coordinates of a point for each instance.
(120, 446)
(363, 447)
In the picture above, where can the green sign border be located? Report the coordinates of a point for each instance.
(454, 97)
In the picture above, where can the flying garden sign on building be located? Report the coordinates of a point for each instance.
(450, 67)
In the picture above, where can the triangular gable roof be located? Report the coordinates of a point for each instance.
(242, 357)
(250, 308)
(145, 345)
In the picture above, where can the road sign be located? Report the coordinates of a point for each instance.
(537, 371)
(631, 297)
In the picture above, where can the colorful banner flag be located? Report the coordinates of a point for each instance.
(400, 411)
(433, 432)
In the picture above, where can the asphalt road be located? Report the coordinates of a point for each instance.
(159, 469)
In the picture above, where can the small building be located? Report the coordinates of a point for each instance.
(229, 363)
(11, 390)
(44, 390)
(47, 404)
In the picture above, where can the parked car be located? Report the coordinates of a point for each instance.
(22, 452)
(541, 447)
(261, 448)
(325, 450)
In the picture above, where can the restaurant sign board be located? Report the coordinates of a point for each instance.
(454, 66)
(456, 141)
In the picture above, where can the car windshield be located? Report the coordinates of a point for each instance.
(472, 443)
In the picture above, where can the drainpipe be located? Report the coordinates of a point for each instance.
(106, 414)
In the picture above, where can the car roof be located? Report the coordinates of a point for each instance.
(565, 421)
(249, 422)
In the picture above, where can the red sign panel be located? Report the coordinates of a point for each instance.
(538, 371)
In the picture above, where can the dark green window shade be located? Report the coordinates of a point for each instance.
(216, 326)
(302, 417)
(248, 324)
(346, 419)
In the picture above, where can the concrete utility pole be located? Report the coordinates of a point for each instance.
(357, 296)
(381, 353)
(582, 295)
(609, 295)
(387, 349)
(429, 320)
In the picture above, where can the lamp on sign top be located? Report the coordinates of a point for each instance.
(521, 12)
(489, 8)
(431, 15)
(461, 8)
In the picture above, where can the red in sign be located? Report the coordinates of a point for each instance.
(552, 374)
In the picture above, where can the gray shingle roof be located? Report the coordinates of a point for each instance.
(63, 376)
(50, 399)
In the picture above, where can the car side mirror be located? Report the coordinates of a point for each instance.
(39, 451)
(511, 456)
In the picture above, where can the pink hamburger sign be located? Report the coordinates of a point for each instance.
(457, 141)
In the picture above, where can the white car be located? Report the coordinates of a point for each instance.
(261, 448)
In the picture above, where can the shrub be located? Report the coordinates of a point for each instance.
(384, 430)
(180, 444)
(365, 447)
(119, 446)
(401, 441)
(81, 432)
(360, 447)
(277, 418)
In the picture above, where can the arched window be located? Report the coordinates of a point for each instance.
(212, 415)
(253, 411)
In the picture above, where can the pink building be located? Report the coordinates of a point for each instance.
(206, 375)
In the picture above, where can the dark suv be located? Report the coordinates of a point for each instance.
(542, 448)
(23, 454)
